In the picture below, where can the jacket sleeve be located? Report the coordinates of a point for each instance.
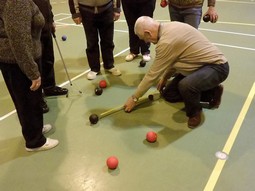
(74, 8)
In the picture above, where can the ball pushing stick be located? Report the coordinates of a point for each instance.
(94, 118)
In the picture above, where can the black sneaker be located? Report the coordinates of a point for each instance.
(44, 106)
(55, 91)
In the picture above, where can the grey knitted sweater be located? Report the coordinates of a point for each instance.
(20, 30)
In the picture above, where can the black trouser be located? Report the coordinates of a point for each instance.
(27, 104)
(132, 12)
(48, 59)
(95, 26)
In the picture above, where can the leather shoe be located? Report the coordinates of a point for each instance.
(216, 100)
(195, 121)
(44, 106)
(55, 91)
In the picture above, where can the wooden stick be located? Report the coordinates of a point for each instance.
(151, 97)
(94, 117)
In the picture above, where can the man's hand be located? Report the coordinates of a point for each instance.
(129, 105)
(161, 84)
(77, 20)
(35, 84)
(212, 13)
(116, 16)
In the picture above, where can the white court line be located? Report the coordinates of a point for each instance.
(230, 142)
(237, 2)
(232, 46)
(7, 115)
(234, 23)
(228, 32)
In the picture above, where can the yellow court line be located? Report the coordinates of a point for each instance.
(231, 139)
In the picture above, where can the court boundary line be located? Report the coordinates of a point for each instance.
(212, 181)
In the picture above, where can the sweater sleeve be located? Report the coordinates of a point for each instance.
(161, 67)
(74, 8)
(18, 28)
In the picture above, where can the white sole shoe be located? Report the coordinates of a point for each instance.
(115, 71)
(46, 128)
(130, 57)
(146, 57)
(50, 143)
(92, 75)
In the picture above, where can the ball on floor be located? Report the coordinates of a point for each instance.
(163, 4)
(98, 91)
(112, 162)
(142, 63)
(93, 118)
(151, 137)
(102, 84)
(64, 37)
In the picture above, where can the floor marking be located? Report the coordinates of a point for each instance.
(7, 115)
(238, 2)
(234, 23)
(231, 139)
(228, 32)
(232, 46)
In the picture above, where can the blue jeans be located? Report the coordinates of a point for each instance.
(191, 16)
(196, 87)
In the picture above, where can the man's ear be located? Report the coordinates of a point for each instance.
(147, 34)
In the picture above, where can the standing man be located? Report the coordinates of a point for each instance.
(48, 59)
(97, 17)
(133, 9)
(198, 66)
(190, 12)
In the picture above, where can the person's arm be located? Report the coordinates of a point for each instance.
(161, 64)
(116, 9)
(18, 29)
(74, 10)
(212, 11)
(53, 26)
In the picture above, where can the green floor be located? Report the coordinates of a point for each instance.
(180, 160)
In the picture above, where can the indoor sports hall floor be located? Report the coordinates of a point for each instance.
(180, 160)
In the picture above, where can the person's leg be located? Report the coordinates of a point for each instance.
(175, 14)
(192, 16)
(130, 11)
(47, 68)
(171, 92)
(206, 78)
(91, 32)
(27, 104)
(146, 9)
(48, 74)
(105, 25)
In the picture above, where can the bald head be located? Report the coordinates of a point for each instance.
(146, 29)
